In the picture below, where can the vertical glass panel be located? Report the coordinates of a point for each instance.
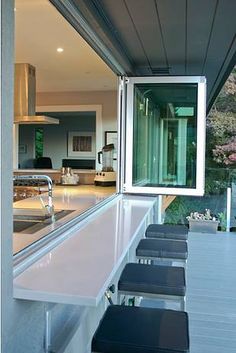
(165, 135)
(38, 142)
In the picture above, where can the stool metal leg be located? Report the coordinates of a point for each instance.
(150, 260)
(121, 299)
(118, 298)
(140, 295)
(182, 304)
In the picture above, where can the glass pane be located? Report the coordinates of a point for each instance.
(165, 135)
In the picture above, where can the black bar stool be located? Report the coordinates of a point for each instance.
(161, 249)
(127, 329)
(167, 231)
(151, 281)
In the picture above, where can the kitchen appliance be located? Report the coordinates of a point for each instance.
(25, 97)
(107, 176)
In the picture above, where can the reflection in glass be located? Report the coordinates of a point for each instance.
(165, 135)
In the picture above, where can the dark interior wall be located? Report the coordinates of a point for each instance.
(55, 137)
(26, 140)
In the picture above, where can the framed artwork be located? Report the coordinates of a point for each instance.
(111, 137)
(22, 148)
(81, 144)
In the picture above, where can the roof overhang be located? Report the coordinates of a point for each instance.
(165, 37)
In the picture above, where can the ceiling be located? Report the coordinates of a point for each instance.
(168, 37)
(144, 37)
(39, 31)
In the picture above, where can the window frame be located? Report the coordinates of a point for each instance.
(201, 136)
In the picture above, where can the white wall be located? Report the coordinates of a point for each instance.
(23, 322)
(6, 131)
(55, 137)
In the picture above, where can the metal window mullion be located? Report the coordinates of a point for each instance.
(129, 136)
(121, 133)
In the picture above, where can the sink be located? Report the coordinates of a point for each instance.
(20, 226)
(30, 218)
(29, 212)
(31, 223)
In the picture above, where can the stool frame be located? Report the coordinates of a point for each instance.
(149, 260)
(181, 299)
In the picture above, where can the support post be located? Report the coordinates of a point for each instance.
(159, 210)
(48, 319)
(228, 209)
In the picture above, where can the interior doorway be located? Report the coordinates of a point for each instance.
(96, 109)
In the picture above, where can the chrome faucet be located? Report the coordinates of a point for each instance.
(49, 207)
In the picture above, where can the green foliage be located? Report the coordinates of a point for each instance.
(221, 127)
(176, 212)
(222, 219)
(218, 179)
(226, 101)
(181, 207)
(215, 187)
(226, 104)
(38, 142)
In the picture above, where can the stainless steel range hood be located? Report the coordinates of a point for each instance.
(25, 97)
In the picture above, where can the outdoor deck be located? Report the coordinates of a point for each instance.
(211, 292)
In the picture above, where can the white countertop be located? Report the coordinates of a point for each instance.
(77, 198)
(79, 270)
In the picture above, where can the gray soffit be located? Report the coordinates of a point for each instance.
(162, 37)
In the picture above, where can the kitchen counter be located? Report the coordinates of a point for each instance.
(77, 198)
(46, 171)
(79, 270)
(86, 176)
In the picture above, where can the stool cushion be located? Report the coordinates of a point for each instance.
(152, 279)
(169, 231)
(161, 248)
(127, 329)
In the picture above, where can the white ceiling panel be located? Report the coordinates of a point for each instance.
(39, 31)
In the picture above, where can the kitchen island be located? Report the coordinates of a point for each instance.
(74, 199)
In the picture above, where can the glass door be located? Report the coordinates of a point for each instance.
(165, 135)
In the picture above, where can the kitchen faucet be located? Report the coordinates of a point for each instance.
(49, 207)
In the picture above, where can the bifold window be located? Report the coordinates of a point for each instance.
(165, 135)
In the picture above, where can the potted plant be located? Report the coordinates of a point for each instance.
(223, 221)
(202, 222)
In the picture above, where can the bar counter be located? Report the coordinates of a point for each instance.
(78, 199)
(79, 270)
